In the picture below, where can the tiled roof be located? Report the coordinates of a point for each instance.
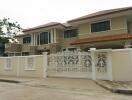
(102, 39)
(101, 13)
(44, 26)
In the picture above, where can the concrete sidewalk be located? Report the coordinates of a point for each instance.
(116, 86)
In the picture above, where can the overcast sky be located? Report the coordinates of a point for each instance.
(31, 13)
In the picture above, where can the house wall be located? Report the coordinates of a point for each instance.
(20, 39)
(59, 35)
(118, 26)
(66, 42)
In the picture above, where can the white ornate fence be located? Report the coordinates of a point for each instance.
(93, 65)
(103, 64)
(96, 64)
(70, 64)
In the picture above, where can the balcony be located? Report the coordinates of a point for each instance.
(13, 47)
(52, 47)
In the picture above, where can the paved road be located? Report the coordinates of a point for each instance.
(30, 91)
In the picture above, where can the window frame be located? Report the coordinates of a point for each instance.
(26, 42)
(99, 22)
(48, 37)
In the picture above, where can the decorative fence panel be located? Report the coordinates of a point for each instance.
(70, 64)
(101, 65)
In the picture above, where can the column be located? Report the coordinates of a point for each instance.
(93, 63)
(52, 35)
(55, 35)
(110, 73)
(39, 38)
(32, 39)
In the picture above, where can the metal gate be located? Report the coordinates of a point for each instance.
(102, 65)
(70, 64)
(80, 65)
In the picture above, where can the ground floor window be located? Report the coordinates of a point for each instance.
(25, 53)
(69, 49)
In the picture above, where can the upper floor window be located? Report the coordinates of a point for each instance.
(45, 38)
(27, 40)
(70, 33)
(100, 26)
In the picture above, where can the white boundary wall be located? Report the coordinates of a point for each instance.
(22, 66)
(118, 66)
(122, 65)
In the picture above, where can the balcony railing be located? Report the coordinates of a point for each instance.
(13, 47)
(43, 47)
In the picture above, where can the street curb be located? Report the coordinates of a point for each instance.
(114, 90)
(9, 81)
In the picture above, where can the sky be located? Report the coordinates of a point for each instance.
(30, 13)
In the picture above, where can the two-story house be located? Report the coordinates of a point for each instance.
(101, 30)
(51, 37)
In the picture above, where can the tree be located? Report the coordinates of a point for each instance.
(8, 29)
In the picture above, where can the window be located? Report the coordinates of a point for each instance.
(38, 39)
(69, 49)
(72, 49)
(25, 53)
(70, 33)
(100, 26)
(45, 38)
(64, 49)
(27, 40)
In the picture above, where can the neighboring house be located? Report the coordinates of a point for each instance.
(101, 30)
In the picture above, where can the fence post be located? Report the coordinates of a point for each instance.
(45, 64)
(79, 57)
(110, 73)
(92, 50)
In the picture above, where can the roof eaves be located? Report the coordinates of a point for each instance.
(30, 29)
(107, 13)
